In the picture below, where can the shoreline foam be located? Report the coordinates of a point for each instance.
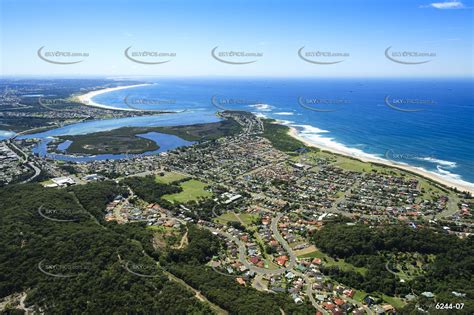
(327, 144)
(86, 99)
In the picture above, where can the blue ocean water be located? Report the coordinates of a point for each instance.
(422, 122)
(426, 123)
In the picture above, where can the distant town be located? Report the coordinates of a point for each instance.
(265, 204)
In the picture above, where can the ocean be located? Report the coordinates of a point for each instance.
(426, 123)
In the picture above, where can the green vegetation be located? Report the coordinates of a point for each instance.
(408, 265)
(430, 190)
(279, 137)
(191, 190)
(126, 139)
(227, 217)
(447, 261)
(200, 132)
(395, 302)
(148, 189)
(331, 262)
(169, 177)
(246, 218)
(164, 237)
(93, 255)
(121, 140)
(351, 164)
(189, 264)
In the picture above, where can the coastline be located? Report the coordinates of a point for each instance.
(86, 98)
(293, 132)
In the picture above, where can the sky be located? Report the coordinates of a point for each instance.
(334, 38)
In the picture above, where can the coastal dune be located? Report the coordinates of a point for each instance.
(451, 183)
(86, 99)
(328, 145)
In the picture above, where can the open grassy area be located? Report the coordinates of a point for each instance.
(407, 266)
(359, 295)
(394, 301)
(169, 177)
(192, 190)
(330, 262)
(226, 217)
(279, 137)
(302, 252)
(351, 164)
(160, 228)
(246, 218)
(430, 190)
(359, 166)
(165, 236)
(47, 182)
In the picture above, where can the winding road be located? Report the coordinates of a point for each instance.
(263, 271)
(292, 263)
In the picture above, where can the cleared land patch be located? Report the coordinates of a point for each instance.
(192, 190)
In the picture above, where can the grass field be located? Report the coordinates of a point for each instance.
(227, 217)
(47, 182)
(349, 164)
(169, 177)
(331, 262)
(160, 228)
(359, 295)
(192, 190)
(302, 252)
(246, 218)
(279, 137)
(394, 301)
(430, 190)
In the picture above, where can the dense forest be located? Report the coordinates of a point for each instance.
(77, 267)
(150, 190)
(56, 248)
(451, 270)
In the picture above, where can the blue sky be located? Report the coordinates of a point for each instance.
(361, 29)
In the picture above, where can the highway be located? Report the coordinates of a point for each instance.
(24, 159)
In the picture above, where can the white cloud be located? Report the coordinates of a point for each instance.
(445, 5)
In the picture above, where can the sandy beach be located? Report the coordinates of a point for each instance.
(459, 184)
(86, 99)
